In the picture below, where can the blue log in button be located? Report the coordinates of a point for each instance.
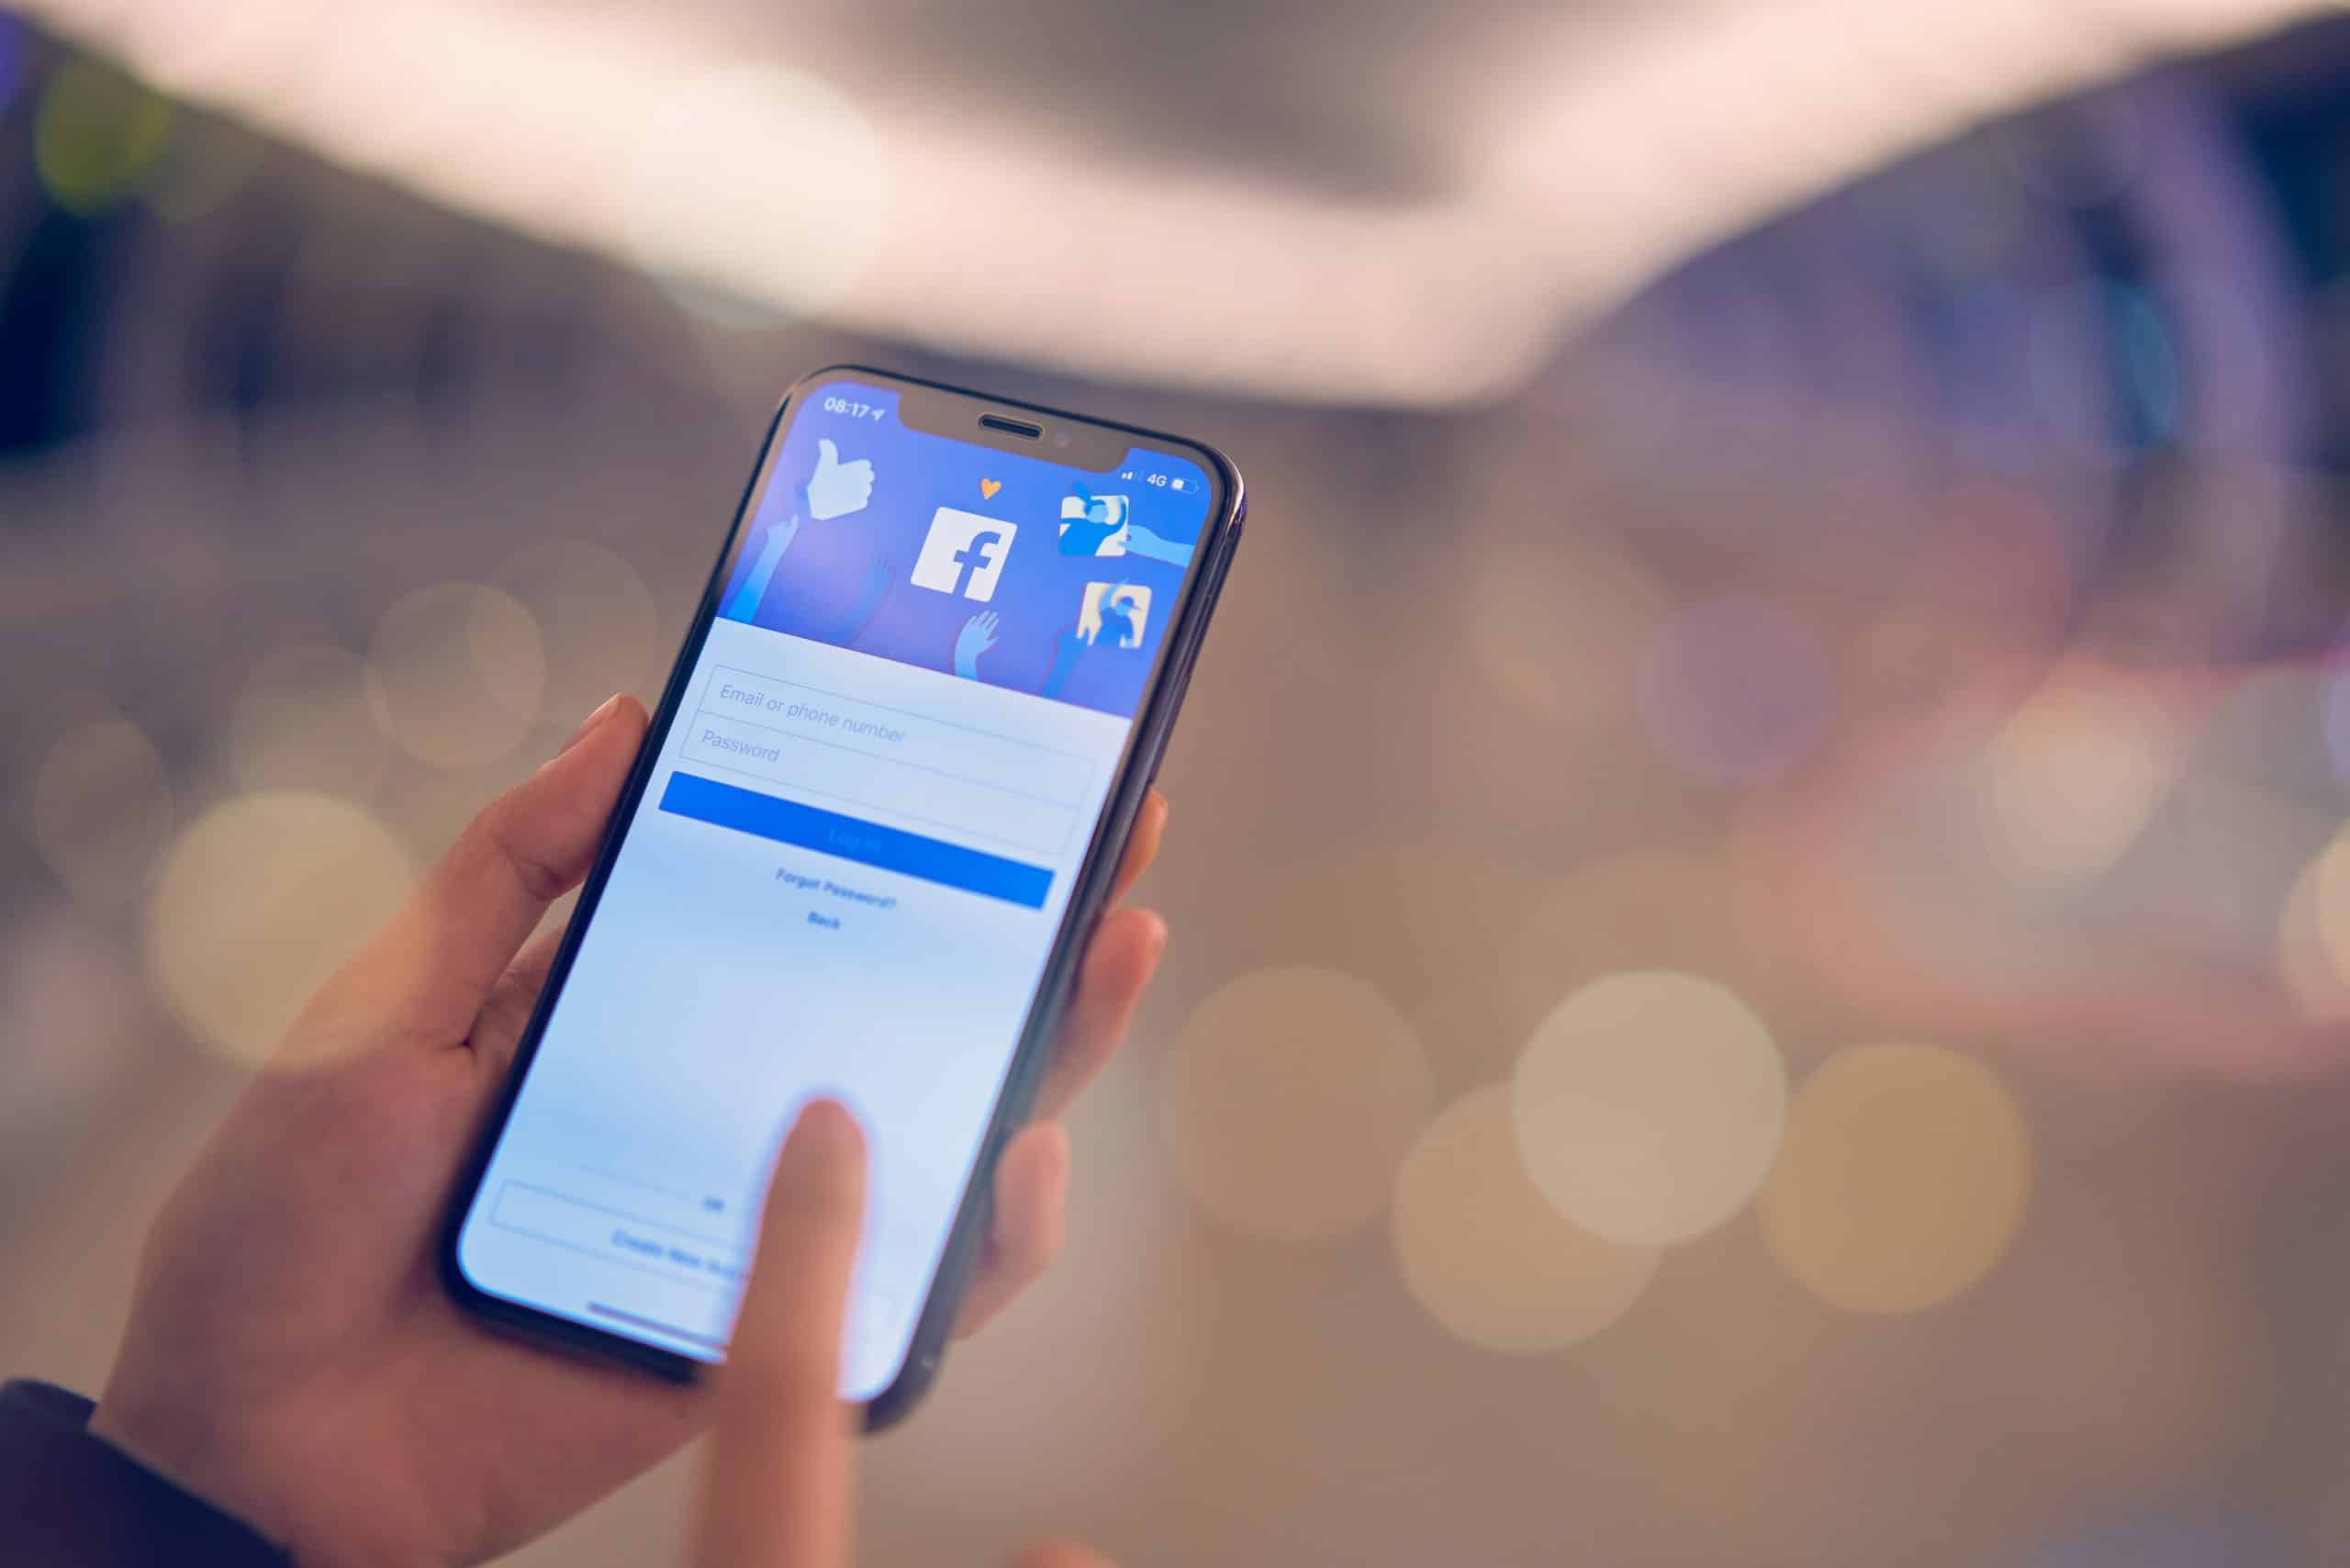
(868, 843)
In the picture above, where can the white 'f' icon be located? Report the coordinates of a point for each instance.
(963, 553)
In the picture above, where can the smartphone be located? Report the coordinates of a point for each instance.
(876, 816)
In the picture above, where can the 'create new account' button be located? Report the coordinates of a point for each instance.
(869, 844)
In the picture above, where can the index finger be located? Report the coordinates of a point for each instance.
(778, 1490)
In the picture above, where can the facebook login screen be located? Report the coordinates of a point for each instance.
(845, 874)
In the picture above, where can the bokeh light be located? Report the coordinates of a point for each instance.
(210, 162)
(1652, 908)
(1338, 912)
(1287, 1100)
(259, 900)
(1733, 690)
(1647, 1106)
(2073, 392)
(596, 620)
(461, 667)
(77, 1017)
(1902, 1179)
(2081, 337)
(97, 135)
(2330, 898)
(714, 205)
(2073, 778)
(2314, 935)
(102, 810)
(2151, 358)
(309, 717)
(1487, 1255)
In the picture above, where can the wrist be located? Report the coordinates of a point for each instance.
(314, 1479)
(230, 1471)
(69, 1495)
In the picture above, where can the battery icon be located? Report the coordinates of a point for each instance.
(1179, 484)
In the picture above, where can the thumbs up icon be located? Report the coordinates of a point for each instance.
(838, 488)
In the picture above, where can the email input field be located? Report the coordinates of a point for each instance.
(887, 759)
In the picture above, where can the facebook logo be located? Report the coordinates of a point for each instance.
(963, 553)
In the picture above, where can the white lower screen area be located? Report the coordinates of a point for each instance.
(843, 879)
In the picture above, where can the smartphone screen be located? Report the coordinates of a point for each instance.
(844, 877)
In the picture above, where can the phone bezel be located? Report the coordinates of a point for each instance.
(1137, 766)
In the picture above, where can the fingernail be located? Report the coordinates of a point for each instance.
(589, 722)
(824, 1135)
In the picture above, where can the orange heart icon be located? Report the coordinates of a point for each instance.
(988, 488)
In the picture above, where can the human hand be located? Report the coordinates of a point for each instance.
(977, 637)
(292, 1356)
(1091, 524)
(1088, 535)
(780, 1486)
(780, 532)
(1067, 649)
(837, 488)
(880, 576)
(1118, 605)
(1141, 541)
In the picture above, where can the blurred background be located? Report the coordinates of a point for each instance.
(1761, 956)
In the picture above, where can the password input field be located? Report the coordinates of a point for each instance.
(876, 758)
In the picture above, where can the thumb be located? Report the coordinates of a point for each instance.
(827, 455)
(425, 973)
(776, 1494)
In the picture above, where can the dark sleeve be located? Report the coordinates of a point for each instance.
(71, 1500)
